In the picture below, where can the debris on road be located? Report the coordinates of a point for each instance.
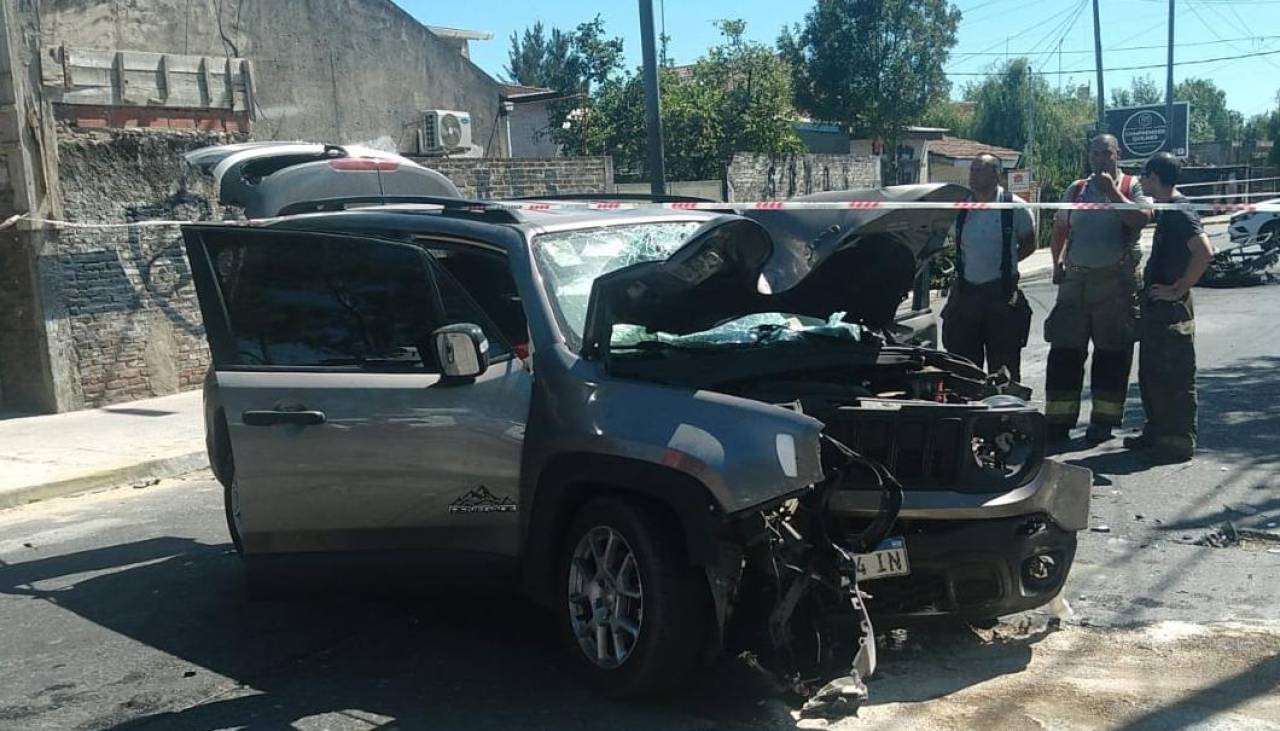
(1223, 537)
(1241, 509)
(1101, 529)
(838, 699)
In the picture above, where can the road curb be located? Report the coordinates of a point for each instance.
(155, 469)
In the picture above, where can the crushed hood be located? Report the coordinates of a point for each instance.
(804, 262)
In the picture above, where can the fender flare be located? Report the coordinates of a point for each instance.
(570, 479)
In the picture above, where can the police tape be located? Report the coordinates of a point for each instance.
(788, 205)
(882, 205)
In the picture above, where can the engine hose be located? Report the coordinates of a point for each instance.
(890, 494)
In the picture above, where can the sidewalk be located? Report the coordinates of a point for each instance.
(61, 454)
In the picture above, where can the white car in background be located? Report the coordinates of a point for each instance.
(1253, 252)
(1256, 227)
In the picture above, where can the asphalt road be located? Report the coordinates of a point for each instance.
(125, 609)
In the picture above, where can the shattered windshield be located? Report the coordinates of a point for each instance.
(571, 261)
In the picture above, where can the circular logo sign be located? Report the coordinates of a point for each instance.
(1144, 133)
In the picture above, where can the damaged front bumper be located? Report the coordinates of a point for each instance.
(1058, 490)
(979, 556)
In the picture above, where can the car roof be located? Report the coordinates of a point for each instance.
(473, 219)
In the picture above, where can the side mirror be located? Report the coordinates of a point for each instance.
(462, 350)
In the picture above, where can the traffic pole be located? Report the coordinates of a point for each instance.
(652, 102)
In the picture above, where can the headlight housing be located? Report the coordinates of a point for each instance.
(1006, 448)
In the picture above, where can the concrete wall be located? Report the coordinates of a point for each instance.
(759, 177)
(515, 178)
(121, 309)
(346, 71)
(529, 129)
(709, 189)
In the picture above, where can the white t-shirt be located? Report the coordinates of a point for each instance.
(981, 244)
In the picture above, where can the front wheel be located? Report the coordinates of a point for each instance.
(634, 610)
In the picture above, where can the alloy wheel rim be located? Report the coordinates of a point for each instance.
(606, 597)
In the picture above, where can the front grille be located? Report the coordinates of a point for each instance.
(922, 451)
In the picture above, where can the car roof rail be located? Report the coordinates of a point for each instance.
(473, 209)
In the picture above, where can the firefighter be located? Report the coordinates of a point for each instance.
(1096, 259)
(1180, 253)
(986, 314)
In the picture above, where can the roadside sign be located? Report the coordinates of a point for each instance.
(1144, 131)
(1020, 181)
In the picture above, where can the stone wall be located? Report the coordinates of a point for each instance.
(760, 177)
(515, 177)
(120, 306)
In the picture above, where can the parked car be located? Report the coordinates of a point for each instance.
(683, 430)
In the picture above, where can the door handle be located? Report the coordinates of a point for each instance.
(272, 418)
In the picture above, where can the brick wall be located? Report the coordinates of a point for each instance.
(519, 177)
(127, 319)
(760, 177)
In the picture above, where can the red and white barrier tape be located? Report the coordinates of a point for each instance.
(861, 205)
(879, 205)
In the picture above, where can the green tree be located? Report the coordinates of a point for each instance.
(574, 64)
(1211, 120)
(871, 65)
(539, 60)
(949, 115)
(1142, 90)
(1015, 101)
(736, 98)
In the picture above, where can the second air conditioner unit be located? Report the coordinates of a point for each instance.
(444, 131)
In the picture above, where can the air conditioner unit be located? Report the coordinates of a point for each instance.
(444, 131)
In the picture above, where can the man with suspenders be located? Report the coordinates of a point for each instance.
(1096, 259)
(986, 314)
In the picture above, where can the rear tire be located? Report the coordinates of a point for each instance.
(633, 611)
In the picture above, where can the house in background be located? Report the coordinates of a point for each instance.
(930, 155)
(948, 159)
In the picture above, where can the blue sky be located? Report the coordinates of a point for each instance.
(1204, 29)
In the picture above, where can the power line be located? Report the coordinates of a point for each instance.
(1211, 29)
(1139, 68)
(1025, 31)
(1048, 55)
(1128, 48)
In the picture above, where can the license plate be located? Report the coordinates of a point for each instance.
(888, 559)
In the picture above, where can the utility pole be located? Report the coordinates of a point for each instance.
(652, 103)
(1097, 56)
(1168, 88)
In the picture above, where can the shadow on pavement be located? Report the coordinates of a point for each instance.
(434, 659)
(1208, 704)
(1238, 416)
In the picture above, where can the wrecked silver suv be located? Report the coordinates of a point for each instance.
(687, 432)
